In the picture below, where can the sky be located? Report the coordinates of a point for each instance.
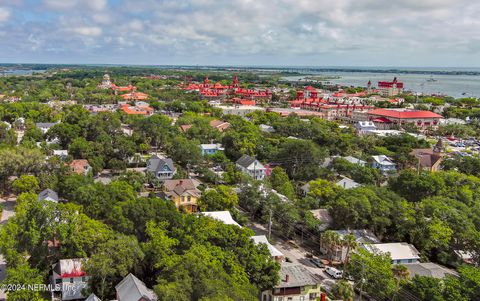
(437, 33)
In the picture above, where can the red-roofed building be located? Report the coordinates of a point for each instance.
(137, 109)
(218, 90)
(386, 118)
(390, 89)
(80, 166)
(70, 275)
(135, 96)
(220, 125)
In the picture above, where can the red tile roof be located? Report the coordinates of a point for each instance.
(404, 114)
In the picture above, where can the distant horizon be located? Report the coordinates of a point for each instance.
(241, 65)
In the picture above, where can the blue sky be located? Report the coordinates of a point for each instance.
(242, 32)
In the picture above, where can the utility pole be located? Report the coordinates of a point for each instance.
(270, 223)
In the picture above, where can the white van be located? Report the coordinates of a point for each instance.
(333, 272)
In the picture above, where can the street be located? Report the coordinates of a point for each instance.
(295, 255)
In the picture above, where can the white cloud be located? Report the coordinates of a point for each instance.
(91, 31)
(366, 31)
(4, 14)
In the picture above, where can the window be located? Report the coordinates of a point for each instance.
(189, 198)
(71, 280)
(302, 298)
(84, 279)
(313, 296)
(410, 260)
(183, 199)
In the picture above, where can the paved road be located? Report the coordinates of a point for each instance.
(8, 211)
(295, 255)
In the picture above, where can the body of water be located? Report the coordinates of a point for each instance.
(446, 84)
(19, 72)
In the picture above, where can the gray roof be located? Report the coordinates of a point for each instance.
(93, 297)
(429, 269)
(298, 275)
(48, 194)
(245, 161)
(347, 183)
(46, 125)
(362, 236)
(156, 164)
(133, 289)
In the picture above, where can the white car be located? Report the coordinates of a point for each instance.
(333, 272)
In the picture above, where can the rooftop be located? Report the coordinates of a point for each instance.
(223, 216)
(397, 250)
(298, 275)
(404, 114)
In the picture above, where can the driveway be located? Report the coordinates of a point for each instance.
(8, 211)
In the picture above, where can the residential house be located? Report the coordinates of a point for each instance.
(80, 166)
(296, 284)
(161, 168)
(400, 252)
(323, 215)
(223, 216)
(133, 289)
(354, 160)
(429, 269)
(276, 254)
(251, 167)
(45, 126)
(92, 297)
(266, 128)
(220, 125)
(429, 159)
(62, 153)
(183, 192)
(364, 127)
(211, 149)
(339, 253)
(48, 195)
(70, 275)
(383, 163)
(347, 183)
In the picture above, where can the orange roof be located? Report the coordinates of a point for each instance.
(404, 114)
(79, 166)
(137, 110)
(135, 95)
(220, 125)
(185, 127)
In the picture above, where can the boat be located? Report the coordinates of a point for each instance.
(431, 80)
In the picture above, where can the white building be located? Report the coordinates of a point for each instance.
(383, 163)
(347, 183)
(262, 239)
(400, 252)
(72, 278)
(223, 216)
(251, 167)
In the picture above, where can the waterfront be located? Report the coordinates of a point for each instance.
(457, 86)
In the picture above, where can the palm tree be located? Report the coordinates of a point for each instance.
(330, 240)
(350, 242)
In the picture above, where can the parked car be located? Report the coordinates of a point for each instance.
(334, 273)
(316, 262)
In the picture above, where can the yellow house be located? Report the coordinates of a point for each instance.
(296, 284)
(184, 193)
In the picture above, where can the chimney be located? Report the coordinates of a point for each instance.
(286, 278)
